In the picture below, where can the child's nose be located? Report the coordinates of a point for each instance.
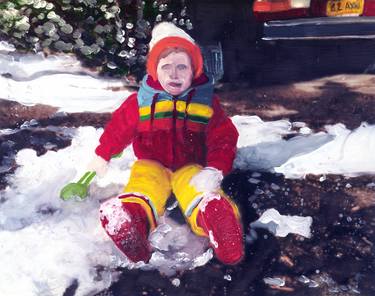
(173, 73)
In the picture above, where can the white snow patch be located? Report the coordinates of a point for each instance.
(276, 281)
(176, 248)
(349, 153)
(25, 66)
(59, 81)
(207, 197)
(176, 282)
(337, 150)
(261, 145)
(282, 225)
(207, 180)
(212, 239)
(46, 244)
(68, 92)
(202, 259)
(116, 216)
(6, 47)
(254, 130)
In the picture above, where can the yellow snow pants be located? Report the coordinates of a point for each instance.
(151, 184)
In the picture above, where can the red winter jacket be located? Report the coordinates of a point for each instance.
(190, 128)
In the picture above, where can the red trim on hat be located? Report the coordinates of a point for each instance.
(171, 42)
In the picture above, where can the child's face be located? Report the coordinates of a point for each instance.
(175, 72)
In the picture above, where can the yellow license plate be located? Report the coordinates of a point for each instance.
(344, 7)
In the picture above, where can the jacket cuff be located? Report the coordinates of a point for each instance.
(103, 153)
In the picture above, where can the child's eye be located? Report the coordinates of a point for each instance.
(166, 67)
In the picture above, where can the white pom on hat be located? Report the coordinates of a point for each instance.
(167, 29)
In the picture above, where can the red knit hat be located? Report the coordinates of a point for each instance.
(166, 36)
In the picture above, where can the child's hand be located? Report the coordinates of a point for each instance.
(207, 180)
(98, 165)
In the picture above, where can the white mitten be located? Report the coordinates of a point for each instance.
(207, 180)
(98, 165)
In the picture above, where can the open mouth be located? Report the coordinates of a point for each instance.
(175, 84)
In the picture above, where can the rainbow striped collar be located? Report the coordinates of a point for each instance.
(202, 95)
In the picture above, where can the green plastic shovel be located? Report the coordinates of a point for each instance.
(78, 190)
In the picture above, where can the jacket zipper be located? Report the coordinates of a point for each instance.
(174, 135)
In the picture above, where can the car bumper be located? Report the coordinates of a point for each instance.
(320, 28)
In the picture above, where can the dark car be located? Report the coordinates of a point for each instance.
(264, 41)
(303, 39)
(308, 19)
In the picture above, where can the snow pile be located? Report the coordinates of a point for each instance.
(47, 244)
(67, 95)
(282, 225)
(350, 153)
(59, 81)
(176, 248)
(336, 151)
(6, 47)
(261, 145)
(28, 66)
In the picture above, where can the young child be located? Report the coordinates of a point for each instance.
(184, 144)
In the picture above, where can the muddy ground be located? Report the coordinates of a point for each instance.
(339, 259)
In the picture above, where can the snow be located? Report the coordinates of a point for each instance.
(274, 281)
(206, 198)
(47, 244)
(59, 81)
(350, 153)
(176, 248)
(176, 282)
(282, 225)
(262, 147)
(112, 210)
(212, 239)
(6, 47)
(208, 180)
(337, 150)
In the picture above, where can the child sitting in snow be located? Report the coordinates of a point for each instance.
(184, 144)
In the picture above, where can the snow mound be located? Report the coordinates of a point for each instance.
(349, 153)
(48, 244)
(282, 225)
(337, 150)
(261, 145)
(59, 81)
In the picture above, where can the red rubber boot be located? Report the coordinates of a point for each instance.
(222, 226)
(127, 225)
